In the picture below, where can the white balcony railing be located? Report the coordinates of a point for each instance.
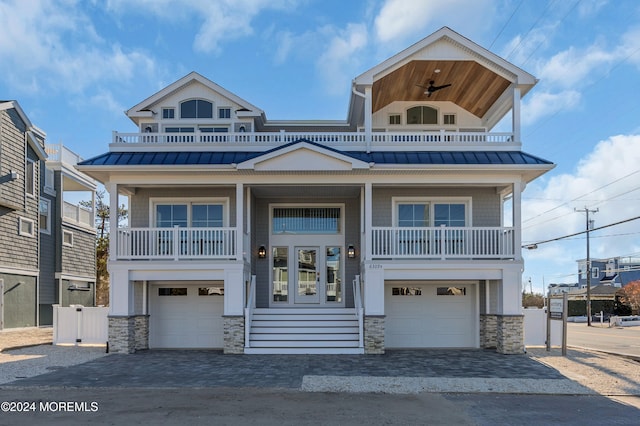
(176, 243)
(77, 214)
(438, 139)
(60, 153)
(443, 242)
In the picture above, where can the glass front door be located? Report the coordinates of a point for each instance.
(307, 275)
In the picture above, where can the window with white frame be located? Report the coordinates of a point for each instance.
(426, 212)
(196, 108)
(395, 119)
(30, 177)
(26, 227)
(49, 177)
(45, 216)
(224, 112)
(168, 113)
(449, 119)
(67, 238)
(422, 115)
(197, 214)
(595, 272)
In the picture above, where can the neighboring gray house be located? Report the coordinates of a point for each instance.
(615, 271)
(67, 234)
(40, 245)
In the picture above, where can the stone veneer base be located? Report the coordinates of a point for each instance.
(374, 334)
(488, 331)
(128, 333)
(233, 334)
(510, 337)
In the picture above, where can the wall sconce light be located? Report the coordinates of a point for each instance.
(351, 251)
(262, 252)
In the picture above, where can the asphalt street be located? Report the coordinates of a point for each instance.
(618, 340)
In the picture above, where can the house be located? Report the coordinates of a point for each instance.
(39, 245)
(384, 230)
(67, 234)
(615, 271)
(559, 289)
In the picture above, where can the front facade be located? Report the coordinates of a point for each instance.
(44, 238)
(385, 230)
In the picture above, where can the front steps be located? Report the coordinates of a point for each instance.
(304, 331)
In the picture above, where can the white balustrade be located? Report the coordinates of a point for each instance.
(443, 242)
(176, 243)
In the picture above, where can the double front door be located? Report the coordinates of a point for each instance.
(307, 275)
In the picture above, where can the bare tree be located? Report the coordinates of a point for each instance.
(103, 222)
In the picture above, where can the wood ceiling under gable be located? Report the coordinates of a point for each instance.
(473, 87)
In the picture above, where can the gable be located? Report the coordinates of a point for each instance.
(301, 157)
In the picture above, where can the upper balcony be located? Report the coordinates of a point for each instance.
(438, 140)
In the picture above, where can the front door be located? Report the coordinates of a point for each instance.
(307, 275)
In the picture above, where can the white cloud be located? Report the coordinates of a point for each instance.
(338, 61)
(606, 179)
(60, 50)
(543, 104)
(399, 20)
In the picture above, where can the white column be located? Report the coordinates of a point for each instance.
(120, 293)
(112, 188)
(517, 219)
(368, 220)
(234, 292)
(368, 115)
(510, 294)
(374, 290)
(515, 115)
(239, 221)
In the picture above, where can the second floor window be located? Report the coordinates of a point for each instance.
(45, 216)
(189, 215)
(196, 108)
(224, 112)
(421, 214)
(168, 113)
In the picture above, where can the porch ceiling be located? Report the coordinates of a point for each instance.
(473, 86)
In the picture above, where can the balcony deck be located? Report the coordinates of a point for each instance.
(440, 243)
(345, 141)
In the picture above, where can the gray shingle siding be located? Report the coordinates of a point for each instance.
(20, 252)
(47, 288)
(79, 259)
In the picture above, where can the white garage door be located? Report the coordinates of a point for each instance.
(420, 315)
(186, 316)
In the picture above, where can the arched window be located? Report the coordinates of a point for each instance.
(196, 108)
(422, 115)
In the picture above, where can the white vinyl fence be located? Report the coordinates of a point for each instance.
(535, 328)
(80, 325)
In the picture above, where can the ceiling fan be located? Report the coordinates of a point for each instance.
(431, 88)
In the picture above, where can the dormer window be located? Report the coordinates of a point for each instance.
(422, 115)
(196, 108)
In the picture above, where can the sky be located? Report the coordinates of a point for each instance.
(75, 66)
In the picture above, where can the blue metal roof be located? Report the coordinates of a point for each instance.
(381, 157)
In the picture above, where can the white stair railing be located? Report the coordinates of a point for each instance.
(357, 299)
(248, 311)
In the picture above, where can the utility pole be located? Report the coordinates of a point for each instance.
(588, 266)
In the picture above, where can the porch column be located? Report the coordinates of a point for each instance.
(368, 114)
(368, 220)
(510, 320)
(515, 115)
(516, 207)
(239, 221)
(234, 297)
(112, 188)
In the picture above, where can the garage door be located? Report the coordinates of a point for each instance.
(422, 315)
(186, 316)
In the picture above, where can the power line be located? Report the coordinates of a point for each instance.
(535, 245)
(505, 24)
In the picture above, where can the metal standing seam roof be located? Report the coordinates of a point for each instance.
(186, 158)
